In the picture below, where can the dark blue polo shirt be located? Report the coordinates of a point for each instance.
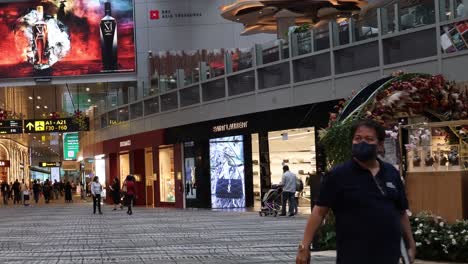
(368, 226)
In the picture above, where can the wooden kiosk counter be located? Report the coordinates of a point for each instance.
(437, 169)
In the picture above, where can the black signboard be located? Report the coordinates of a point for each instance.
(53, 125)
(46, 164)
(11, 126)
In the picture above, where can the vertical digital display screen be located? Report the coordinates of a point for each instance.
(66, 38)
(227, 172)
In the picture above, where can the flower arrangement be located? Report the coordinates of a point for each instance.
(438, 240)
(9, 115)
(405, 95)
(79, 118)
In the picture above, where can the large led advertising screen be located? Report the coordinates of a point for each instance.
(66, 38)
(227, 172)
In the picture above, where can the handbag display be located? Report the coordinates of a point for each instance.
(229, 188)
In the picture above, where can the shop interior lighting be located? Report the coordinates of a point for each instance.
(30, 97)
(87, 89)
(38, 97)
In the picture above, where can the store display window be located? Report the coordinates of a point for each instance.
(189, 171)
(227, 172)
(124, 166)
(295, 148)
(166, 170)
(437, 149)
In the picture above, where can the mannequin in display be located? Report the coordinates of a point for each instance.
(462, 9)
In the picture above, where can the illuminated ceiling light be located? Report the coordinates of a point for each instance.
(30, 97)
(45, 107)
(89, 100)
(38, 107)
(38, 97)
(87, 89)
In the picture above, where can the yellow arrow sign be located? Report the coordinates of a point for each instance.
(30, 126)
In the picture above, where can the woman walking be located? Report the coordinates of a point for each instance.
(130, 196)
(96, 189)
(115, 189)
(68, 192)
(36, 191)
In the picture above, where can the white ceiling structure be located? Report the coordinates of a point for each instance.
(261, 16)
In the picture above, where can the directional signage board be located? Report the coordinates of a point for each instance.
(71, 145)
(11, 126)
(45, 164)
(52, 125)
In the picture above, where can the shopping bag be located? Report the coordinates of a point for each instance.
(229, 188)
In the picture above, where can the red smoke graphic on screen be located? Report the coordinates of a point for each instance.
(80, 19)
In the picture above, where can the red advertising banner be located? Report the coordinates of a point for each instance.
(66, 38)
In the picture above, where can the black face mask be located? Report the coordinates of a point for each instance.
(364, 151)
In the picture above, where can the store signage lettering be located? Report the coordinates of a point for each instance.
(231, 126)
(165, 14)
(52, 125)
(71, 145)
(4, 163)
(125, 143)
(11, 127)
(47, 164)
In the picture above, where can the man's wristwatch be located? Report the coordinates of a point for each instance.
(302, 247)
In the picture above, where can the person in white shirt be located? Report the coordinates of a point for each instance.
(96, 190)
(289, 189)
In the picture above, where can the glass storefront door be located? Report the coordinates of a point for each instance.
(124, 165)
(166, 171)
(149, 174)
(295, 148)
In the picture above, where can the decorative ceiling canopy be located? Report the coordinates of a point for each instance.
(261, 16)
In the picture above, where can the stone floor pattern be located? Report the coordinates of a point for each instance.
(70, 233)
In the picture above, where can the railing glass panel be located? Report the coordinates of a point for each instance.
(304, 43)
(189, 96)
(357, 58)
(169, 101)
(151, 106)
(322, 38)
(415, 14)
(461, 8)
(366, 26)
(270, 51)
(313, 67)
(241, 83)
(412, 46)
(273, 76)
(214, 60)
(123, 114)
(213, 90)
(136, 110)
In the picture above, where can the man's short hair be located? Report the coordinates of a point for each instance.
(369, 123)
(285, 168)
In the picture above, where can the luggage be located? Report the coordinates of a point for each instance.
(26, 198)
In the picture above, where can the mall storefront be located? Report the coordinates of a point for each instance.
(233, 162)
(155, 165)
(224, 163)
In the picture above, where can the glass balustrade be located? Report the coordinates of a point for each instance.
(200, 75)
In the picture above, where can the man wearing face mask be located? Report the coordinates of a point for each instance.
(369, 203)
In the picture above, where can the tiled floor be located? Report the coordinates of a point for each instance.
(70, 233)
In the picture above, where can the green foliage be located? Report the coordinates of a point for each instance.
(302, 28)
(336, 141)
(326, 234)
(438, 240)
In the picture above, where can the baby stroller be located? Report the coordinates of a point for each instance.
(271, 201)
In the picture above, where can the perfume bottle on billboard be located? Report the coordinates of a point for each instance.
(108, 28)
(40, 40)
